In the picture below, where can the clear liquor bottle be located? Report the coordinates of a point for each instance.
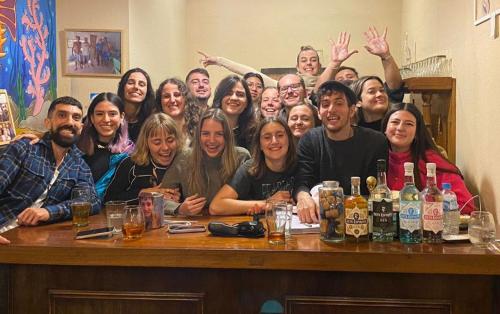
(432, 208)
(410, 209)
(383, 226)
(356, 214)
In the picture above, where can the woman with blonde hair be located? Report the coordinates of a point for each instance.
(154, 152)
(211, 161)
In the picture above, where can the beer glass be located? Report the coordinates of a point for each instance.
(80, 206)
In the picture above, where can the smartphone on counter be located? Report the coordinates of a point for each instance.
(94, 233)
(181, 228)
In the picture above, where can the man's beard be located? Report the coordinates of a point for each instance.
(63, 141)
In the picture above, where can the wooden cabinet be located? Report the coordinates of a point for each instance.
(438, 108)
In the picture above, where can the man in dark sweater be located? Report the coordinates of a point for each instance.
(336, 150)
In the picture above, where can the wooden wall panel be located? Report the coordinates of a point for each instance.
(92, 302)
(324, 305)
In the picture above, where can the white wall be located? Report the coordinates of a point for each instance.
(447, 26)
(92, 14)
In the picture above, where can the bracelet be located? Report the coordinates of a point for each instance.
(385, 59)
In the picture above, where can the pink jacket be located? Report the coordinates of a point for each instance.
(395, 176)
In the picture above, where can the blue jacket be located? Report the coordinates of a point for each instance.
(26, 171)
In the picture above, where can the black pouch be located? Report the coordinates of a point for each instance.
(247, 229)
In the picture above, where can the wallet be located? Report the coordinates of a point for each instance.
(247, 229)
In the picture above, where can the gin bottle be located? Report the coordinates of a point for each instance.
(383, 226)
(410, 209)
(432, 208)
(356, 214)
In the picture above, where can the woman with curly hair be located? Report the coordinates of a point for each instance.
(174, 98)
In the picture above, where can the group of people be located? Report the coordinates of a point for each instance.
(96, 52)
(221, 159)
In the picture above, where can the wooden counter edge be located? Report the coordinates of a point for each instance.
(254, 259)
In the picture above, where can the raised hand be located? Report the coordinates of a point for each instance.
(376, 44)
(340, 50)
(207, 60)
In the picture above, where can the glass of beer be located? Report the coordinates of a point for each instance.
(276, 219)
(133, 222)
(80, 206)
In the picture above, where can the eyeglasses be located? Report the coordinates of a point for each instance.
(294, 87)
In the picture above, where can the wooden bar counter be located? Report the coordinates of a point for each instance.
(45, 270)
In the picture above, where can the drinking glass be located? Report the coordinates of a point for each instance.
(276, 219)
(482, 228)
(80, 206)
(114, 215)
(133, 222)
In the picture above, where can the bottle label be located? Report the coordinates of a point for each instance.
(450, 204)
(409, 215)
(382, 213)
(356, 221)
(433, 216)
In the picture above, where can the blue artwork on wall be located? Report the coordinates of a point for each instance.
(28, 55)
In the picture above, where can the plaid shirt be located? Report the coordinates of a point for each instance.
(26, 171)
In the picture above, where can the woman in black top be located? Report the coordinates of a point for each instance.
(154, 152)
(137, 93)
(233, 97)
(273, 163)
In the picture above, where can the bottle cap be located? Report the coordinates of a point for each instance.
(431, 166)
(355, 180)
(381, 165)
(446, 186)
(331, 184)
(408, 166)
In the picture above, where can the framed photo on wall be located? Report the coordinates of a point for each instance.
(7, 127)
(92, 53)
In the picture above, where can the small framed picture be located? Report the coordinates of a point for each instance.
(7, 128)
(92, 53)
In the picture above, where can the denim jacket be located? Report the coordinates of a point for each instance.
(26, 171)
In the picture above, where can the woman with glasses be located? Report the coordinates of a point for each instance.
(255, 84)
(154, 152)
(201, 171)
(233, 97)
(273, 164)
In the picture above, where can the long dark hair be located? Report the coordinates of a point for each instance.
(258, 166)
(148, 104)
(191, 110)
(246, 120)
(421, 143)
(120, 143)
